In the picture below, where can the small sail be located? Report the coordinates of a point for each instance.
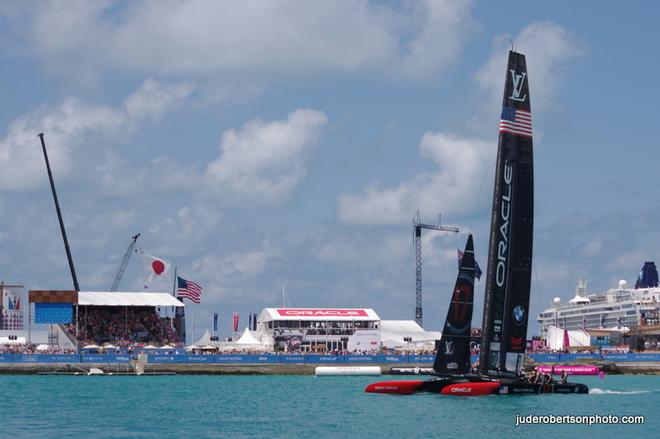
(506, 306)
(453, 355)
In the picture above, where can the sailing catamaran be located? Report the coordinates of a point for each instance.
(508, 278)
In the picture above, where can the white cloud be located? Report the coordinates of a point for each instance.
(247, 37)
(66, 126)
(190, 224)
(264, 161)
(548, 48)
(442, 27)
(450, 190)
(151, 99)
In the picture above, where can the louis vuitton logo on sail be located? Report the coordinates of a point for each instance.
(518, 81)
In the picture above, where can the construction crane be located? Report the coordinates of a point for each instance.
(417, 237)
(124, 263)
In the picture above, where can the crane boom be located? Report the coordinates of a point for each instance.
(124, 263)
(417, 231)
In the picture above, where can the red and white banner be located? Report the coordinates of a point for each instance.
(236, 318)
(156, 267)
(300, 312)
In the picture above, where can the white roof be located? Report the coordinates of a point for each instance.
(319, 314)
(397, 330)
(105, 298)
(579, 299)
(407, 326)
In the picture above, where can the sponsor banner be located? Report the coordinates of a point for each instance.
(105, 358)
(166, 358)
(564, 358)
(545, 358)
(198, 358)
(419, 358)
(391, 358)
(309, 359)
(292, 358)
(361, 359)
(644, 357)
(58, 358)
(300, 312)
(324, 359)
(246, 359)
(573, 357)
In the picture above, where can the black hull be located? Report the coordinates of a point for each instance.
(522, 388)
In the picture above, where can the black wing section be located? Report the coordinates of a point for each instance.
(506, 307)
(453, 355)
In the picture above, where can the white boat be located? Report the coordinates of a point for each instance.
(616, 309)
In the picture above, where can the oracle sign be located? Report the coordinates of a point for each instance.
(292, 312)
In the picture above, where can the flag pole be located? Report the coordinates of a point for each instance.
(174, 282)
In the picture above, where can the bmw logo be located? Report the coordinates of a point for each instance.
(518, 314)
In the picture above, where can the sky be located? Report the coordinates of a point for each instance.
(266, 145)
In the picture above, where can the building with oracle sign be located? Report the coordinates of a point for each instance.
(338, 330)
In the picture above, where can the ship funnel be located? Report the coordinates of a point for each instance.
(581, 289)
(648, 277)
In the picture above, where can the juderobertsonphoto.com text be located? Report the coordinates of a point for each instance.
(578, 419)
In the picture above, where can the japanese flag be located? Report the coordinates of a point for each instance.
(155, 267)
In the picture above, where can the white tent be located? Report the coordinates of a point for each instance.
(555, 338)
(248, 338)
(246, 342)
(395, 332)
(205, 340)
(8, 341)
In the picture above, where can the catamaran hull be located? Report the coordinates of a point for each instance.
(470, 387)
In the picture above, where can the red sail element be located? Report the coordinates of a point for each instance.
(471, 389)
(405, 387)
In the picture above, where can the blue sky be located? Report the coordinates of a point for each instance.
(255, 144)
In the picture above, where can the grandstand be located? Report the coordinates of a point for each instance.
(123, 319)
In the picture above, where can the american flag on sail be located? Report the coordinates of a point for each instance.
(189, 290)
(516, 121)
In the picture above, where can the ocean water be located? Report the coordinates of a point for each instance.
(301, 406)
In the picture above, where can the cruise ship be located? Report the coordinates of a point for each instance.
(617, 309)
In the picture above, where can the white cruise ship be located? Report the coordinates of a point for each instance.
(618, 308)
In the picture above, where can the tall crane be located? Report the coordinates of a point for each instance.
(417, 236)
(124, 263)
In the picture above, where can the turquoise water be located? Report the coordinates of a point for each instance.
(300, 406)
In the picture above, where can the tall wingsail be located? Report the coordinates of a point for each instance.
(453, 355)
(506, 307)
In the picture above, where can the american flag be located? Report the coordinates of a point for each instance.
(189, 290)
(477, 268)
(516, 121)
